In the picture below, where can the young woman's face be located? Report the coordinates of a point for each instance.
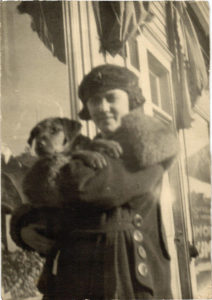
(107, 109)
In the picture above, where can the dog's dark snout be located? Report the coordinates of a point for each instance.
(41, 147)
(41, 144)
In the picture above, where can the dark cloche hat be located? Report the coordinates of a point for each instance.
(106, 77)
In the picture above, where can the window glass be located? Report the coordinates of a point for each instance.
(198, 168)
(159, 84)
(154, 88)
(133, 53)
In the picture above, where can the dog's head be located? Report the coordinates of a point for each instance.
(53, 135)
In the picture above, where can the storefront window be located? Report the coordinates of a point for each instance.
(198, 168)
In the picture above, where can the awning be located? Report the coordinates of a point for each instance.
(193, 77)
(117, 21)
(47, 21)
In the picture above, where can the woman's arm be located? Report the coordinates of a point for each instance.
(25, 230)
(111, 186)
(33, 239)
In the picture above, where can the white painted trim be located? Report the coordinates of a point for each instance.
(156, 51)
(72, 55)
(157, 43)
(168, 222)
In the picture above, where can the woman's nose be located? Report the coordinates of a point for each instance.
(105, 105)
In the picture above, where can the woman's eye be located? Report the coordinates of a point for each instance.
(111, 98)
(93, 100)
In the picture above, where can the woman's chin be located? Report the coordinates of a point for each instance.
(109, 131)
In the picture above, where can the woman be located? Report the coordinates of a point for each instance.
(112, 245)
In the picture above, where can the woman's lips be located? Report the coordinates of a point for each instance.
(105, 118)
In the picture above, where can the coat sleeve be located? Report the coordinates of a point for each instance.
(111, 186)
(17, 223)
(45, 220)
(103, 189)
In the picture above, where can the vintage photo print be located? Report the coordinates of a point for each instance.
(105, 156)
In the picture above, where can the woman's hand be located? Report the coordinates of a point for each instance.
(110, 147)
(35, 240)
(92, 159)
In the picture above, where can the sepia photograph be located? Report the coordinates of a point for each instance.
(105, 150)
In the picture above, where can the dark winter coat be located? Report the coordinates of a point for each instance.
(112, 244)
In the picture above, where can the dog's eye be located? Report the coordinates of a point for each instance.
(52, 130)
(65, 141)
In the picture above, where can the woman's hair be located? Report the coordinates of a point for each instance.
(107, 77)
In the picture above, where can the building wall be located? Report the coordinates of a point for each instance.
(158, 24)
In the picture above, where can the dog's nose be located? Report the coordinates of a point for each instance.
(41, 148)
(41, 143)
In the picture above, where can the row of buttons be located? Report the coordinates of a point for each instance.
(138, 237)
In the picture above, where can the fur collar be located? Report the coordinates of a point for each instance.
(146, 140)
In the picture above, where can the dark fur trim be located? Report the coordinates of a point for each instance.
(146, 140)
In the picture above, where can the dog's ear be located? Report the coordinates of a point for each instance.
(71, 128)
(33, 134)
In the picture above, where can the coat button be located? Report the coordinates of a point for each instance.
(142, 269)
(142, 252)
(138, 236)
(137, 220)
